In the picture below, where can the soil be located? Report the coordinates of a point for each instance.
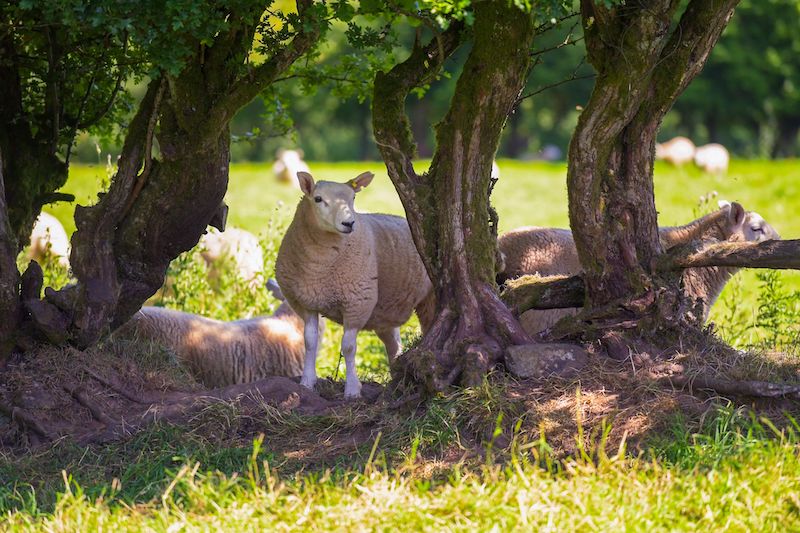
(115, 390)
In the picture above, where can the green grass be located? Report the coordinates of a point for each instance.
(432, 469)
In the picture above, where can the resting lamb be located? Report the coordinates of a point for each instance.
(49, 238)
(226, 353)
(551, 252)
(360, 270)
(236, 245)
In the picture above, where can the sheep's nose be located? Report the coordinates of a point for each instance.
(349, 224)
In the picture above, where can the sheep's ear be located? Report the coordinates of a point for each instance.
(306, 182)
(736, 214)
(275, 289)
(723, 204)
(361, 181)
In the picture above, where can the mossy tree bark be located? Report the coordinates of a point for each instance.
(643, 62)
(157, 208)
(448, 208)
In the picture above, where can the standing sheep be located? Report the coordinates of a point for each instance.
(49, 238)
(551, 252)
(226, 353)
(236, 245)
(360, 270)
(287, 164)
(712, 158)
(677, 151)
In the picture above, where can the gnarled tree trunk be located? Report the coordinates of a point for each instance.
(156, 209)
(643, 64)
(448, 209)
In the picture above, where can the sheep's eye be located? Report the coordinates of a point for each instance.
(318, 199)
(758, 229)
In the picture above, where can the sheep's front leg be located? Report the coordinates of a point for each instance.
(311, 335)
(352, 386)
(391, 340)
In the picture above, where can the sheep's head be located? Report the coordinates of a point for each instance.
(331, 202)
(746, 226)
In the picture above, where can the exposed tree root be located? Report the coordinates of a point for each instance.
(26, 420)
(725, 387)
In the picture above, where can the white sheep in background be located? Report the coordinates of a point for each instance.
(287, 164)
(48, 237)
(226, 353)
(495, 171)
(712, 158)
(241, 248)
(552, 252)
(677, 151)
(360, 270)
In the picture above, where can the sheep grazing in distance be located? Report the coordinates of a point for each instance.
(49, 238)
(677, 151)
(287, 164)
(712, 158)
(552, 252)
(226, 353)
(360, 270)
(236, 245)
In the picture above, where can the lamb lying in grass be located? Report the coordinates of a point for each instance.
(49, 238)
(551, 252)
(226, 353)
(239, 248)
(360, 270)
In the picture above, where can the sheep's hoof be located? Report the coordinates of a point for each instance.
(308, 382)
(352, 392)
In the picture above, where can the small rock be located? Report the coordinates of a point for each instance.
(542, 360)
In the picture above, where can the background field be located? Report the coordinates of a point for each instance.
(440, 467)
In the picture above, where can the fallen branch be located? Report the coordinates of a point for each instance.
(536, 292)
(767, 254)
(758, 389)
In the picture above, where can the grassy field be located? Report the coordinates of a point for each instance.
(471, 461)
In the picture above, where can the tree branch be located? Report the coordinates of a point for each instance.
(557, 292)
(536, 292)
(688, 48)
(390, 122)
(248, 86)
(767, 254)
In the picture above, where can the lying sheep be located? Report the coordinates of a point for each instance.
(551, 252)
(226, 353)
(49, 238)
(712, 158)
(677, 151)
(360, 270)
(236, 245)
(287, 164)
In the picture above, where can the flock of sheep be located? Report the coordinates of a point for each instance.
(711, 158)
(362, 271)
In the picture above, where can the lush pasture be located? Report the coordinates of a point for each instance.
(730, 472)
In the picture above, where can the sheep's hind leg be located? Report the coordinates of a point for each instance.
(352, 386)
(311, 335)
(391, 340)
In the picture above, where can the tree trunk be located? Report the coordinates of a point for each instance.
(9, 276)
(448, 209)
(642, 68)
(156, 209)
